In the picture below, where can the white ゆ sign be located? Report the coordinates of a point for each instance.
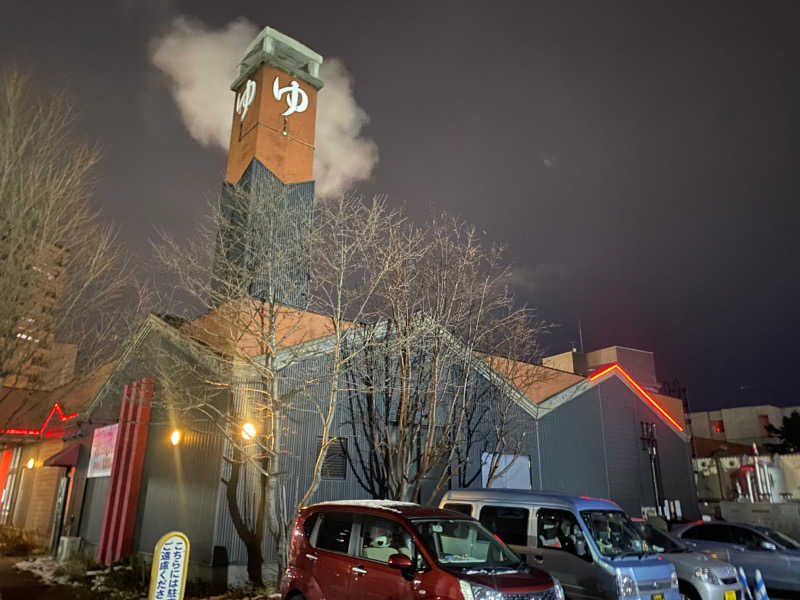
(295, 96)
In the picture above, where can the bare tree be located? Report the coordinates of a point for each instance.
(418, 406)
(245, 273)
(68, 296)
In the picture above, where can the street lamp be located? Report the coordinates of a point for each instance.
(175, 437)
(248, 431)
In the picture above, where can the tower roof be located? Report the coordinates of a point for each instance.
(275, 48)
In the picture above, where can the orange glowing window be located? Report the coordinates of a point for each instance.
(763, 421)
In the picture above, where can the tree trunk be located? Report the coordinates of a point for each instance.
(255, 560)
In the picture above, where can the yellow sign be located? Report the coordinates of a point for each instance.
(170, 562)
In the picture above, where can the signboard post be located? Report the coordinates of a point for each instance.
(170, 562)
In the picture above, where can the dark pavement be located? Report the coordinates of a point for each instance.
(19, 585)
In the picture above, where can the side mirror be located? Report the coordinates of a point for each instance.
(769, 546)
(399, 561)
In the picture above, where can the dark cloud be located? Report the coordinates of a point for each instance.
(671, 132)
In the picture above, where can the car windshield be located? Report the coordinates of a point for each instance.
(657, 541)
(465, 544)
(614, 533)
(783, 539)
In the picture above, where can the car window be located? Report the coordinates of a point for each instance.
(381, 538)
(558, 530)
(745, 537)
(464, 509)
(709, 533)
(509, 523)
(333, 533)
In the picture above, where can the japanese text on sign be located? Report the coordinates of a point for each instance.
(170, 560)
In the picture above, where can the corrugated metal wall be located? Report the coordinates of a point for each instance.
(573, 457)
(278, 217)
(94, 506)
(179, 489)
(628, 474)
(300, 439)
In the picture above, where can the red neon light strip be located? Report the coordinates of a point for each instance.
(639, 389)
(33, 432)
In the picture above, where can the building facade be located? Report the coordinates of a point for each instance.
(740, 425)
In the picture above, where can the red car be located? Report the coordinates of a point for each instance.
(401, 551)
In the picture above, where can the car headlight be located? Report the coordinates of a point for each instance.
(673, 581)
(473, 591)
(626, 586)
(707, 575)
(558, 589)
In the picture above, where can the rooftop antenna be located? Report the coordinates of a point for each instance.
(580, 334)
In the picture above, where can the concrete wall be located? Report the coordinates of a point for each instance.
(742, 424)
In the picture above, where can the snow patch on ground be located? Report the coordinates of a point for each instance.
(45, 569)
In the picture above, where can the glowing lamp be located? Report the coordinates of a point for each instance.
(30, 463)
(248, 431)
(175, 437)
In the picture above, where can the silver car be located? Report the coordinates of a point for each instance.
(700, 577)
(751, 547)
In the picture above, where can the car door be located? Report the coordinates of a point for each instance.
(752, 555)
(559, 539)
(376, 539)
(331, 561)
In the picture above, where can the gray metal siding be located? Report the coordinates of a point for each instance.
(179, 490)
(94, 506)
(623, 446)
(571, 445)
(300, 439)
(279, 219)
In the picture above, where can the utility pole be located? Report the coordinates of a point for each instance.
(650, 443)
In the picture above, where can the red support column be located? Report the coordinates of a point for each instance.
(123, 473)
(113, 489)
(130, 497)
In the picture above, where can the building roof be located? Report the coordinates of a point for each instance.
(538, 383)
(293, 327)
(29, 413)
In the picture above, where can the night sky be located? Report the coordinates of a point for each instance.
(637, 160)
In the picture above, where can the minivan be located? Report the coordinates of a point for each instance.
(382, 549)
(589, 544)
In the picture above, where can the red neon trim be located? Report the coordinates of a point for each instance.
(603, 372)
(639, 389)
(15, 431)
(34, 432)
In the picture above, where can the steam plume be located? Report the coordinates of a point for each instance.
(201, 62)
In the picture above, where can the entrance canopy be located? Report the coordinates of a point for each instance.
(66, 458)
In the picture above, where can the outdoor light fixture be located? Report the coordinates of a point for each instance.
(30, 463)
(175, 437)
(248, 431)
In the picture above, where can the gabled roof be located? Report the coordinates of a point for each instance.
(553, 388)
(616, 369)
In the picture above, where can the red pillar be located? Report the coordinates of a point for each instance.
(122, 501)
(113, 488)
(130, 495)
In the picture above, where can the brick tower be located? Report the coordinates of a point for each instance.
(268, 191)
